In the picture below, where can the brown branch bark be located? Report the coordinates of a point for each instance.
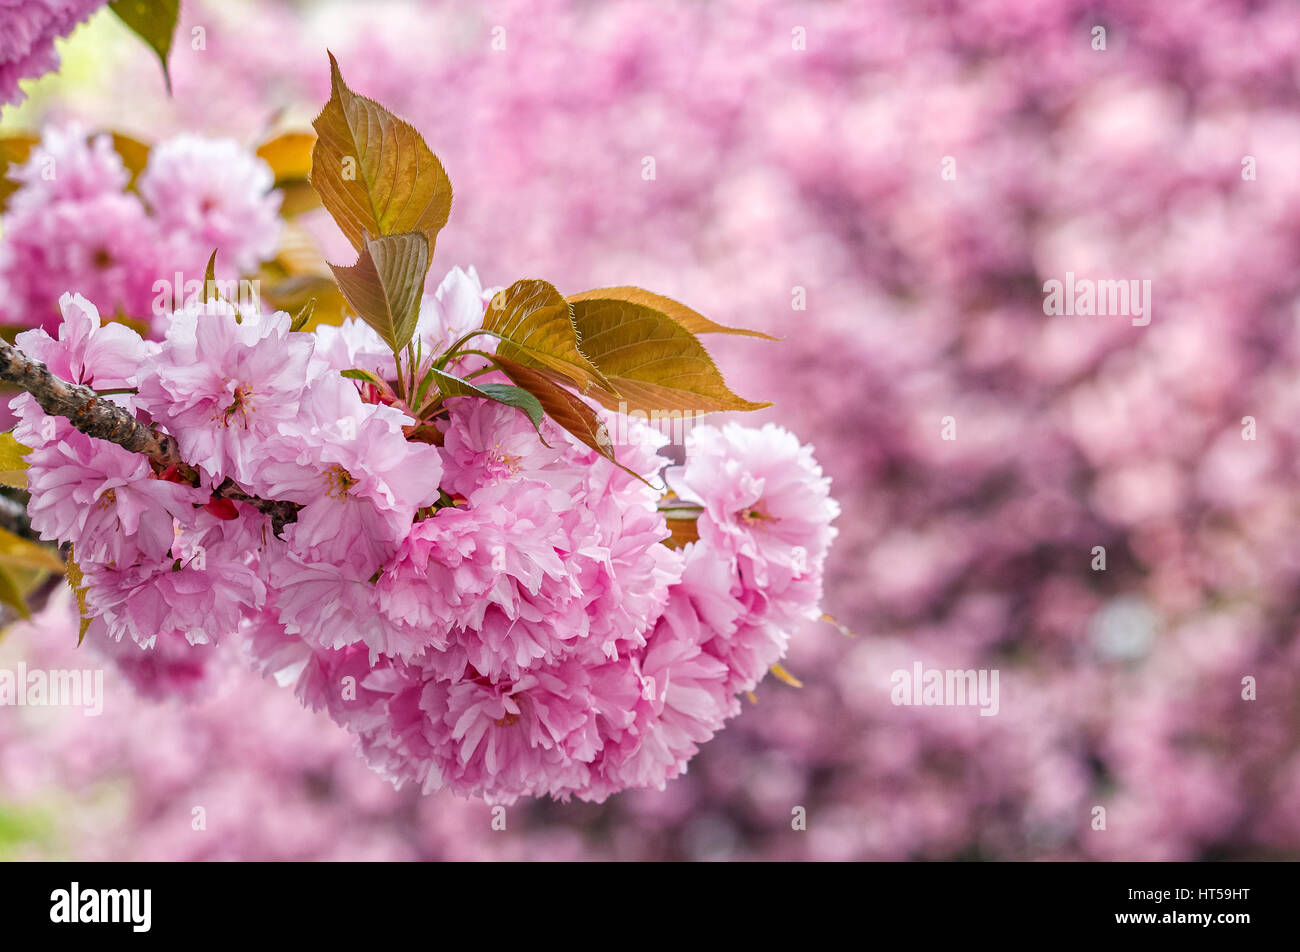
(103, 419)
(88, 411)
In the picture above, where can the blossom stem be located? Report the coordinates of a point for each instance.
(282, 512)
(455, 351)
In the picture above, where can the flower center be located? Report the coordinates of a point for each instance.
(338, 481)
(108, 499)
(241, 405)
(507, 720)
(754, 514)
(511, 463)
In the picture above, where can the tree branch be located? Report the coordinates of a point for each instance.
(282, 512)
(103, 419)
(88, 411)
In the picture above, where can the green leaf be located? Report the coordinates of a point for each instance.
(654, 363)
(19, 553)
(385, 285)
(13, 462)
(374, 173)
(693, 321)
(365, 376)
(154, 21)
(563, 406)
(516, 397)
(421, 391)
(451, 386)
(536, 328)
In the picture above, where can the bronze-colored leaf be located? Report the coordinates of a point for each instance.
(385, 285)
(374, 173)
(300, 319)
(654, 363)
(211, 291)
(14, 150)
(297, 198)
(563, 406)
(289, 156)
(681, 531)
(292, 294)
(134, 155)
(692, 320)
(299, 253)
(11, 593)
(536, 328)
(77, 582)
(13, 462)
(19, 553)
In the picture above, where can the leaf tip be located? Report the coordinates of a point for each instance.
(337, 85)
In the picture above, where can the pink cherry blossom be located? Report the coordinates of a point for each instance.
(27, 45)
(104, 500)
(223, 382)
(213, 195)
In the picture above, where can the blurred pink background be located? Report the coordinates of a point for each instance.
(819, 168)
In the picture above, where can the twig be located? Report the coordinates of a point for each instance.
(281, 511)
(88, 411)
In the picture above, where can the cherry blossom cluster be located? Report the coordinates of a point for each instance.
(909, 316)
(78, 220)
(495, 611)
